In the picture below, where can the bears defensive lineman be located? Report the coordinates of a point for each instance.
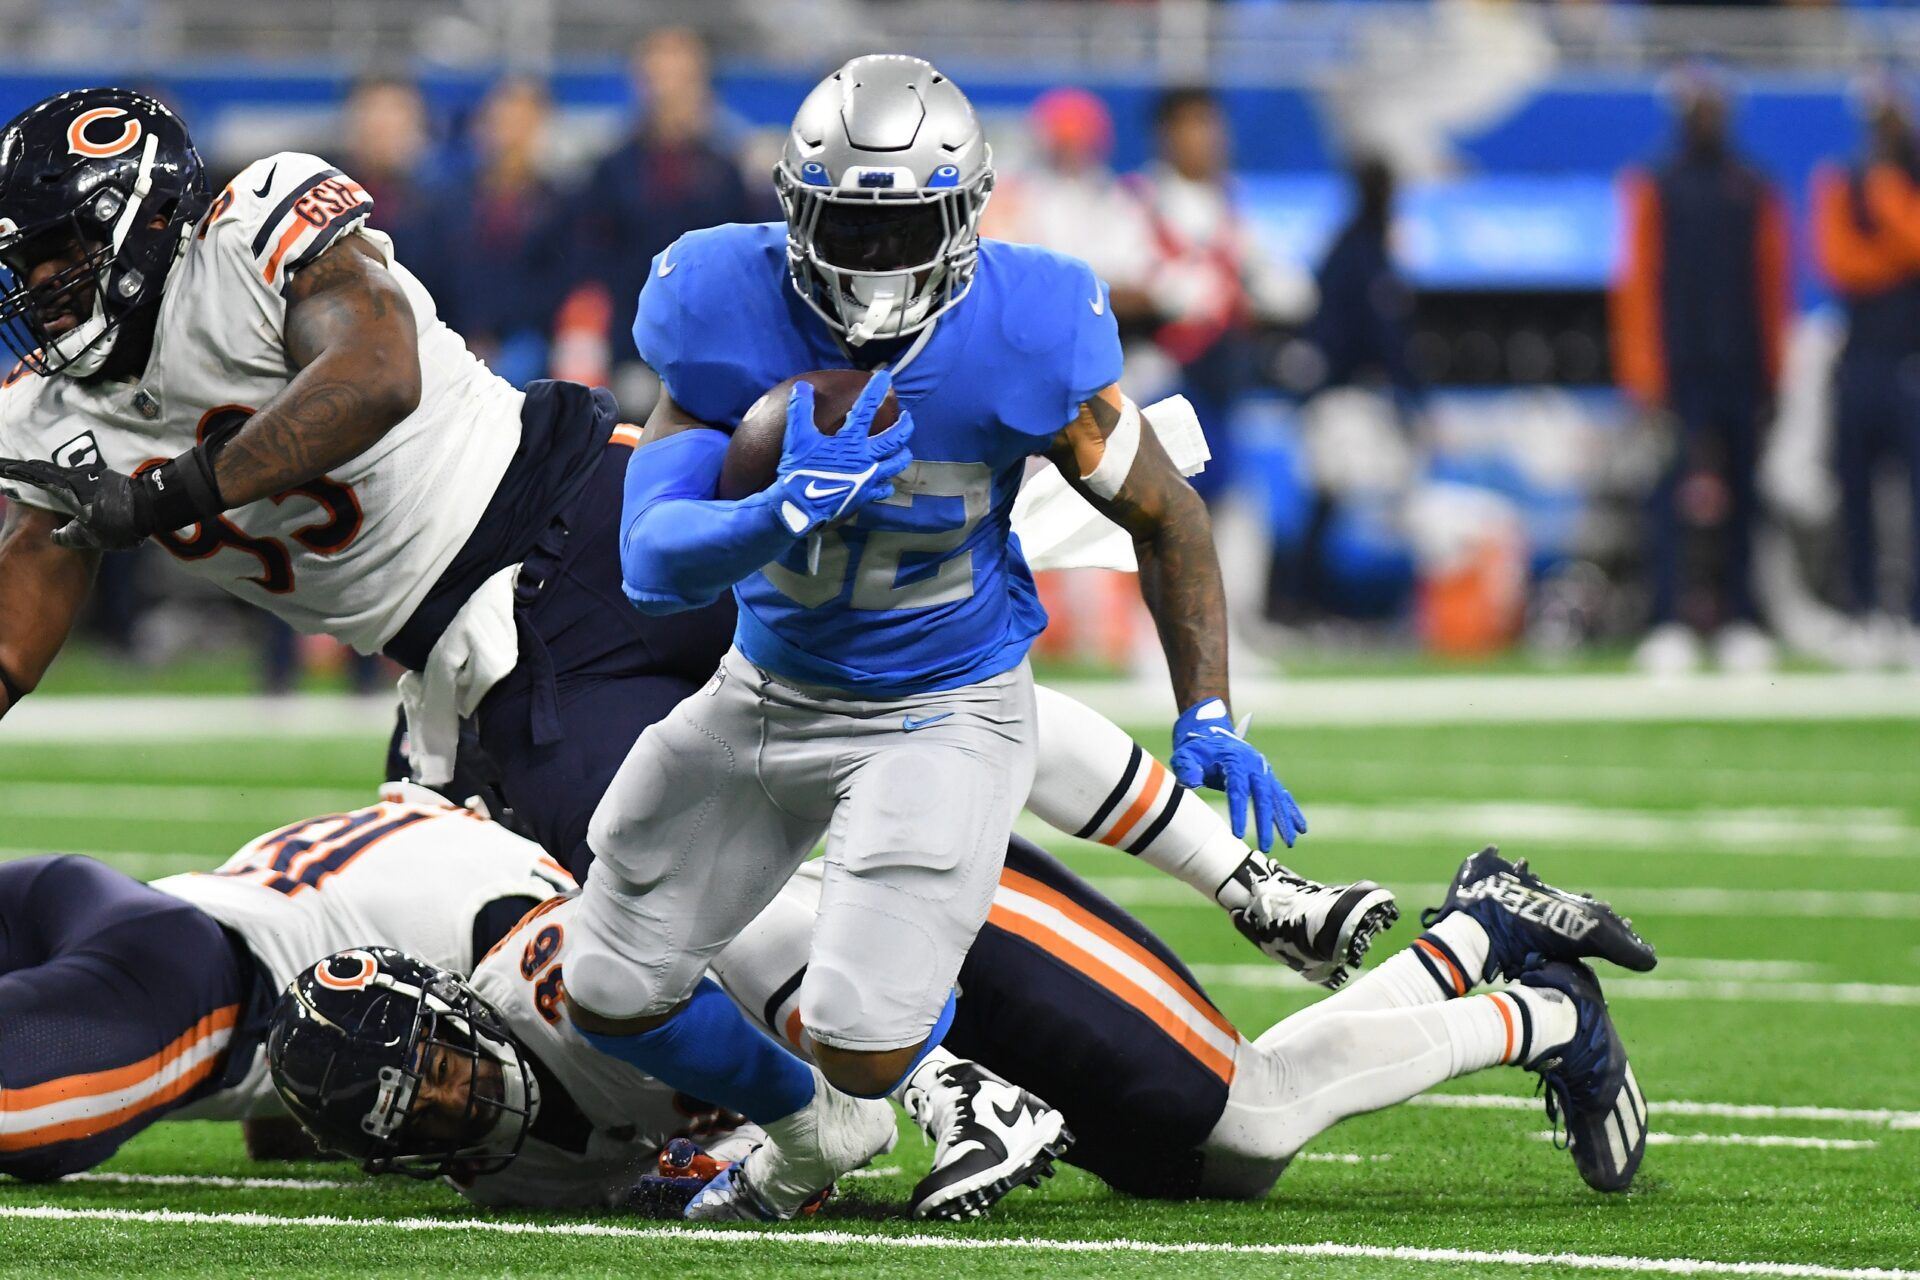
(877, 693)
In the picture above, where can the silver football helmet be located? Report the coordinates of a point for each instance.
(883, 178)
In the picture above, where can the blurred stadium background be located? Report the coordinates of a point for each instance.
(1423, 267)
(1507, 352)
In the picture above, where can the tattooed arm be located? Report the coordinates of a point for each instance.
(1172, 539)
(351, 334)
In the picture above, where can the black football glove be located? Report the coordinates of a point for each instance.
(119, 511)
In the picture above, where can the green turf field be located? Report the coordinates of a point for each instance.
(1776, 866)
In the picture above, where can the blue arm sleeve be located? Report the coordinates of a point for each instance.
(680, 547)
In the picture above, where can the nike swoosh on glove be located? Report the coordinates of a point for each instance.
(1207, 751)
(824, 478)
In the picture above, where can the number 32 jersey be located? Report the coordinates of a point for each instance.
(926, 590)
(352, 553)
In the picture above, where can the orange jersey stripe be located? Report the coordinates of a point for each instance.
(1453, 970)
(1127, 946)
(626, 433)
(90, 1083)
(72, 1130)
(794, 1029)
(1054, 944)
(1141, 803)
(299, 228)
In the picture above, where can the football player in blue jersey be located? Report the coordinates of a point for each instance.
(877, 693)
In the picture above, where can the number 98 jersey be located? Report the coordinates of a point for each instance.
(408, 875)
(352, 553)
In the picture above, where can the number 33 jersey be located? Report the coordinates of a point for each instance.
(350, 554)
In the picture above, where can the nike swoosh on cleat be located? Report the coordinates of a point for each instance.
(909, 724)
(1009, 1116)
(814, 490)
(268, 184)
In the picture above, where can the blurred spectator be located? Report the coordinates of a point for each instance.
(1357, 338)
(384, 138)
(1866, 222)
(1699, 314)
(671, 176)
(1071, 201)
(496, 263)
(1208, 278)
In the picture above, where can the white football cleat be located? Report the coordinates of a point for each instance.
(1743, 649)
(1320, 931)
(990, 1137)
(833, 1134)
(1670, 649)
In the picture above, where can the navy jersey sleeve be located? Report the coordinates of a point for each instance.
(698, 290)
(1060, 327)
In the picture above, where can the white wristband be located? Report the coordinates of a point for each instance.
(1106, 479)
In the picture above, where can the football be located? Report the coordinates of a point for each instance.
(753, 456)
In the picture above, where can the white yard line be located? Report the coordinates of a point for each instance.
(1634, 987)
(1445, 699)
(1743, 1140)
(1467, 699)
(1815, 832)
(172, 802)
(210, 1180)
(1874, 1117)
(964, 1244)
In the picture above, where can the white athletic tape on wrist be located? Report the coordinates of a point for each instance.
(1122, 445)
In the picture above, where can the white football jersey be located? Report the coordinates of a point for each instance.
(353, 553)
(410, 876)
(631, 1114)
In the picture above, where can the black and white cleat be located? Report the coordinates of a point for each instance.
(1320, 931)
(989, 1138)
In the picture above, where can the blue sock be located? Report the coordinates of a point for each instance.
(711, 1051)
(941, 1025)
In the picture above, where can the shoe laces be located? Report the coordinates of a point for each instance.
(939, 1119)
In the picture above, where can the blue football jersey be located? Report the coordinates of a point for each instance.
(928, 589)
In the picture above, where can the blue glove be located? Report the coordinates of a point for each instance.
(1208, 752)
(824, 478)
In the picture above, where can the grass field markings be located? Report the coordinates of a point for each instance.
(210, 1180)
(1635, 900)
(1795, 1141)
(1629, 780)
(1633, 987)
(833, 1238)
(171, 802)
(121, 857)
(1341, 1157)
(1873, 1117)
(1704, 967)
(875, 1171)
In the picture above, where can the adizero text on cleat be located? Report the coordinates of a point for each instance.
(989, 1138)
(1320, 931)
(1524, 915)
(1589, 1084)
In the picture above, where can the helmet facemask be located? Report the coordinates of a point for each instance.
(454, 1044)
(881, 263)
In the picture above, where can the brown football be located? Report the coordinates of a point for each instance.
(753, 456)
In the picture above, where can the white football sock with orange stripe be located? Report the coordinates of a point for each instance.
(1344, 1063)
(1094, 782)
(1444, 962)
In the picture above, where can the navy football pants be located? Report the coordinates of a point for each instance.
(117, 1004)
(1876, 417)
(593, 672)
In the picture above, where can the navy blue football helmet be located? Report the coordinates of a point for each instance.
(401, 1067)
(107, 183)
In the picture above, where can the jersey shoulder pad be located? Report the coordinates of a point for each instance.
(282, 212)
(1058, 328)
(711, 320)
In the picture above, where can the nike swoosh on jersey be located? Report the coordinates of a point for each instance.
(814, 490)
(268, 184)
(666, 267)
(909, 724)
(1099, 304)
